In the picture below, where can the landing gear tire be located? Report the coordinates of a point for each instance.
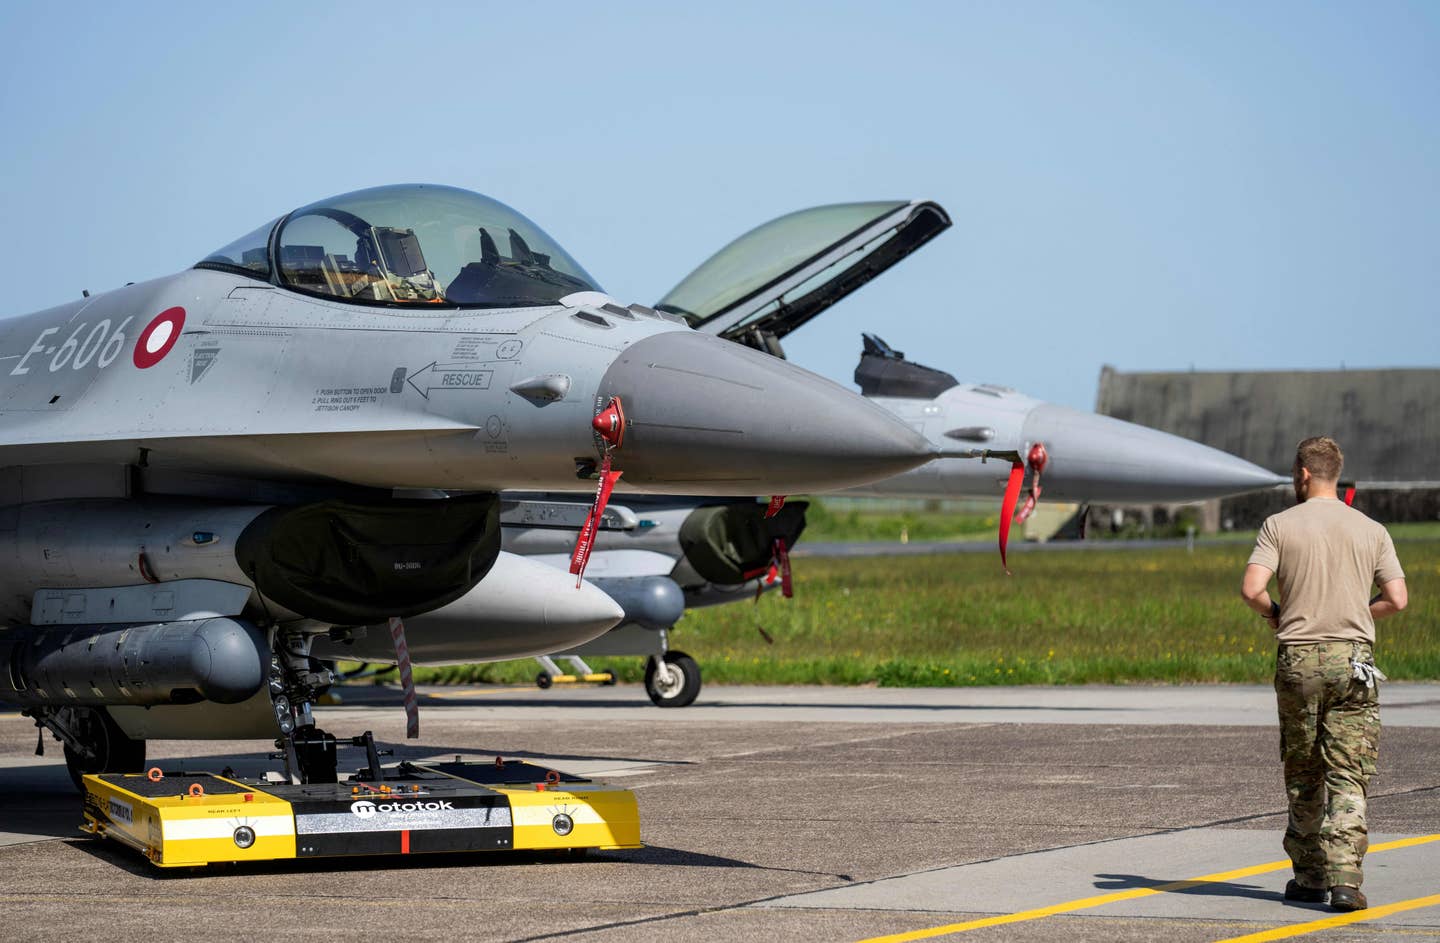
(674, 685)
(542, 681)
(113, 751)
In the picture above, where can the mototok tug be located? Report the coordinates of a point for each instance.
(181, 819)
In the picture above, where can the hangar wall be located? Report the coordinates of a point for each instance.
(1386, 421)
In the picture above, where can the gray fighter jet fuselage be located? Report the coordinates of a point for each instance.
(1087, 457)
(304, 436)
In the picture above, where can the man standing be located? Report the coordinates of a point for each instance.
(1327, 557)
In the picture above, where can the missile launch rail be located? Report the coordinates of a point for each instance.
(194, 819)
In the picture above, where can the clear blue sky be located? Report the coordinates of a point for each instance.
(1151, 185)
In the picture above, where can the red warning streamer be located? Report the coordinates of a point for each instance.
(1007, 508)
(586, 542)
(1350, 496)
(407, 679)
(782, 559)
(776, 503)
(1037, 459)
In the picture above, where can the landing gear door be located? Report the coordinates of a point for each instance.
(778, 276)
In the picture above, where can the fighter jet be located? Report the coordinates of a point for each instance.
(303, 437)
(658, 557)
(780, 275)
(775, 279)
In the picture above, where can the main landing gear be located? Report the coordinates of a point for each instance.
(93, 742)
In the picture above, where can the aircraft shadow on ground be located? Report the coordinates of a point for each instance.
(127, 860)
(41, 815)
(350, 759)
(483, 701)
(1125, 882)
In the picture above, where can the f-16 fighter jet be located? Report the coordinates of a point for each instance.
(778, 276)
(773, 280)
(304, 435)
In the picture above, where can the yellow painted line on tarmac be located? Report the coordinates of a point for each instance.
(1088, 903)
(1340, 920)
(479, 692)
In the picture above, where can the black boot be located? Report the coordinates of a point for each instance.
(1346, 898)
(1296, 891)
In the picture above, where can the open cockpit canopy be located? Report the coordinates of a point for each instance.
(413, 244)
(779, 275)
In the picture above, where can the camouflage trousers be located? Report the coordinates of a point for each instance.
(1329, 741)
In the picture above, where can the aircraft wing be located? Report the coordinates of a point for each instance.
(781, 274)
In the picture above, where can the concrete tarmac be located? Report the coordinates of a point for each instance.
(1093, 813)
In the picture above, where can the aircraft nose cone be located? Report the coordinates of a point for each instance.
(1098, 458)
(713, 417)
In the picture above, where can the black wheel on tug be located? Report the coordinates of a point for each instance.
(542, 681)
(114, 751)
(676, 687)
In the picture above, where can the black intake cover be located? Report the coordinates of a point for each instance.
(723, 542)
(351, 563)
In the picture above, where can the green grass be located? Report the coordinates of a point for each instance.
(1064, 618)
(857, 521)
(850, 523)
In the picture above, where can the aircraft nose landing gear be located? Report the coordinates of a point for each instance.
(672, 680)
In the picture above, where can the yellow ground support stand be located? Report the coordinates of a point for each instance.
(195, 819)
(583, 674)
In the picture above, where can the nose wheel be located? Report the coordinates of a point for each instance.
(672, 680)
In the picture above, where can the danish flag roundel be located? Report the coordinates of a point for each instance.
(158, 337)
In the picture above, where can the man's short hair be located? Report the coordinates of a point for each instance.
(1320, 455)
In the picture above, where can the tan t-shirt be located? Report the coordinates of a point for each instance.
(1327, 558)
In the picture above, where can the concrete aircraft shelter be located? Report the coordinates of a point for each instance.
(1387, 422)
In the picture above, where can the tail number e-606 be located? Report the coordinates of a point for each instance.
(86, 343)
